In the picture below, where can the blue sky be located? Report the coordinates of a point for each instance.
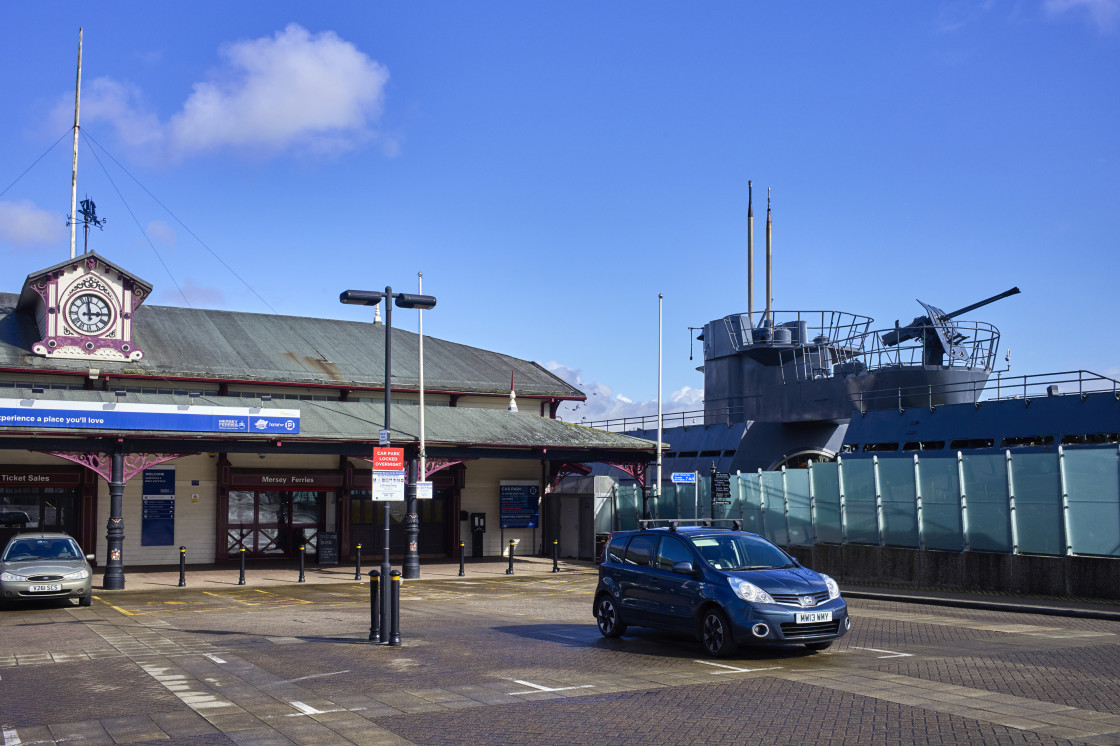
(551, 167)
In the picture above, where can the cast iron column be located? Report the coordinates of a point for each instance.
(114, 535)
(411, 568)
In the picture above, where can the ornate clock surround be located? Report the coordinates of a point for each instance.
(83, 308)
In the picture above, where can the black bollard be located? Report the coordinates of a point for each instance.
(374, 611)
(182, 566)
(555, 550)
(241, 580)
(395, 633)
(358, 564)
(510, 570)
(462, 560)
(301, 554)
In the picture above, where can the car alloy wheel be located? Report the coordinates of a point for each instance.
(715, 633)
(607, 617)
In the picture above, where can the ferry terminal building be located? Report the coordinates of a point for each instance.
(251, 431)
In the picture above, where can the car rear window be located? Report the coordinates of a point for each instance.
(640, 550)
(617, 548)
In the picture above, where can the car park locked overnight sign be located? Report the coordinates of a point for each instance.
(388, 475)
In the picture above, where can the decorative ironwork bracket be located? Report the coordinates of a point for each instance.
(635, 470)
(102, 462)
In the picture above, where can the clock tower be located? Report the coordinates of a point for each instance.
(83, 308)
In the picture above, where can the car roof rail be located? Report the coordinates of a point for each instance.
(674, 523)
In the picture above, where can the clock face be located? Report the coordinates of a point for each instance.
(89, 313)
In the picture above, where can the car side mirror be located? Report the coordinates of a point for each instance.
(91, 557)
(684, 568)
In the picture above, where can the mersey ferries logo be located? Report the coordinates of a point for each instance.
(230, 423)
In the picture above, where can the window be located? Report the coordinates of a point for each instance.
(924, 445)
(616, 549)
(879, 447)
(670, 552)
(1026, 441)
(972, 443)
(640, 551)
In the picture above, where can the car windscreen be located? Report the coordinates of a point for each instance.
(22, 550)
(740, 552)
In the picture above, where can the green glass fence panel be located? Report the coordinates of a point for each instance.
(751, 501)
(941, 504)
(989, 512)
(825, 481)
(900, 505)
(627, 506)
(1038, 503)
(775, 514)
(1093, 484)
(667, 506)
(797, 496)
(704, 488)
(861, 520)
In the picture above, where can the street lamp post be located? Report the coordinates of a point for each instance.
(404, 300)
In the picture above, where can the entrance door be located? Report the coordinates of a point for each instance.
(274, 523)
(367, 526)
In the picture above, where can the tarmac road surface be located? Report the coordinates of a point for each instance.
(491, 658)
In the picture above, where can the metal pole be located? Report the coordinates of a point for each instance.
(750, 254)
(395, 634)
(423, 476)
(657, 485)
(302, 552)
(510, 570)
(241, 579)
(114, 535)
(374, 611)
(555, 556)
(462, 560)
(182, 566)
(386, 565)
(358, 564)
(74, 173)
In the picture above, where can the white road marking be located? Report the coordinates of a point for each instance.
(890, 653)
(539, 688)
(316, 675)
(734, 669)
(213, 657)
(11, 738)
(180, 686)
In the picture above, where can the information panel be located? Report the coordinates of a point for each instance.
(157, 518)
(520, 503)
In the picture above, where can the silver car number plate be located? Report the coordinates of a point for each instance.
(813, 617)
(45, 587)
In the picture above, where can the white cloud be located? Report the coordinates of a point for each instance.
(162, 232)
(24, 225)
(1104, 14)
(603, 404)
(296, 89)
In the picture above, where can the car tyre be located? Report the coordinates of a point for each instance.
(816, 647)
(86, 600)
(606, 615)
(715, 634)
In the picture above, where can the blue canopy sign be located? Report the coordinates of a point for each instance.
(76, 415)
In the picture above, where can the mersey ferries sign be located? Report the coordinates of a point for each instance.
(32, 413)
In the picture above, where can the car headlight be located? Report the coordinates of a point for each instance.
(833, 589)
(79, 575)
(749, 591)
(11, 577)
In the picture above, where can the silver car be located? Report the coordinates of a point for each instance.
(45, 565)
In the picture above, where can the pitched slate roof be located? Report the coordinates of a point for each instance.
(251, 347)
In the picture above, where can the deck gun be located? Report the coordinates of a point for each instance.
(938, 335)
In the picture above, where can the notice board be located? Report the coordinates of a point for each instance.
(157, 518)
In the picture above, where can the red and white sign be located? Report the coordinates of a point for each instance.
(388, 459)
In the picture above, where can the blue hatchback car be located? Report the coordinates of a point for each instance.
(724, 586)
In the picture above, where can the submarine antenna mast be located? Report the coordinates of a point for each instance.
(769, 263)
(74, 172)
(750, 253)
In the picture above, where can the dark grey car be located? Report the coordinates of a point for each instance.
(45, 565)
